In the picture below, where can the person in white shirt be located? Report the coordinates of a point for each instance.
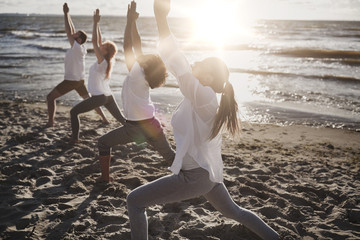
(74, 69)
(98, 82)
(197, 124)
(145, 71)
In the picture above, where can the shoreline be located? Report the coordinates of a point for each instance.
(303, 181)
(256, 113)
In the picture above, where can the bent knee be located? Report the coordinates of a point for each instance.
(102, 143)
(104, 149)
(53, 95)
(136, 199)
(131, 199)
(73, 112)
(50, 97)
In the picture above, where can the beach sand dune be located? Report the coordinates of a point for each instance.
(303, 181)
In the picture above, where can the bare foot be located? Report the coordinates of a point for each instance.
(103, 180)
(49, 125)
(74, 141)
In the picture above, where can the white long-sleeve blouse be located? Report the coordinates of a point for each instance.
(194, 117)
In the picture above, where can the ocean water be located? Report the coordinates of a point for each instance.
(284, 72)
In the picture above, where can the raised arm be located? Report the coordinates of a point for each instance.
(69, 26)
(99, 36)
(95, 37)
(128, 41)
(161, 11)
(136, 40)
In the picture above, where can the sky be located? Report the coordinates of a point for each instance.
(254, 9)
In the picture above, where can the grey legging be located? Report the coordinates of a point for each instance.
(90, 104)
(148, 130)
(189, 184)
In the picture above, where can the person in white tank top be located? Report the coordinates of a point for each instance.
(99, 80)
(74, 69)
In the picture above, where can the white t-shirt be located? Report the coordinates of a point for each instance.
(97, 84)
(135, 96)
(75, 62)
(193, 119)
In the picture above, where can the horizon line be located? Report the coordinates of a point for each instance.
(150, 16)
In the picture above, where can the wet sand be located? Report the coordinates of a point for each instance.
(303, 181)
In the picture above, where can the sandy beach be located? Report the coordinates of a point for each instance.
(303, 181)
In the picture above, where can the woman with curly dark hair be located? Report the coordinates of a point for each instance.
(145, 72)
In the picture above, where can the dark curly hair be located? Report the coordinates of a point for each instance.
(154, 69)
(83, 36)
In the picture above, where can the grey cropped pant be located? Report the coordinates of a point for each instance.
(186, 185)
(148, 130)
(90, 104)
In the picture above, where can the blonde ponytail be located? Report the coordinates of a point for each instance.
(111, 52)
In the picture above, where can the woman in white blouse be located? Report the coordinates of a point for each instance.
(98, 82)
(197, 122)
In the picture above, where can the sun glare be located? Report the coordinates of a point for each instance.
(218, 21)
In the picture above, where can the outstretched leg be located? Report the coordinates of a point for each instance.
(61, 89)
(173, 188)
(156, 137)
(221, 200)
(98, 110)
(82, 107)
(114, 109)
(105, 143)
(51, 106)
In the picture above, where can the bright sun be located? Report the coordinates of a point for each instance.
(217, 21)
